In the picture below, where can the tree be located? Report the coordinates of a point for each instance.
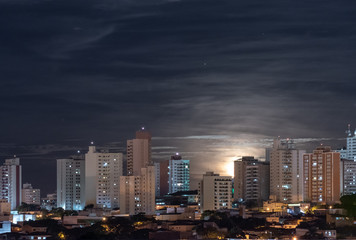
(24, 207)
(236, 232)
(89, 206)
(348, 202)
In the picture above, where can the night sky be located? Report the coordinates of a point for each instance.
(211, 79)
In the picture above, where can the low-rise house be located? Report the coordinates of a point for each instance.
(32, 228)
(164, 235)
(80, 221)
(329, 234)
(271, 206)
(5, 227)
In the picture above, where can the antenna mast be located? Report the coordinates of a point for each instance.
(348, 131)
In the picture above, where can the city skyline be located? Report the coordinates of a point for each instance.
(212, 80)
(227, 169)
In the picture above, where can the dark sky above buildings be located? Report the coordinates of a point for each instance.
(211, 79)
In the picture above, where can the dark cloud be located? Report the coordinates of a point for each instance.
(202, 75)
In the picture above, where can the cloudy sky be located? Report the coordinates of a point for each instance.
(211, 79)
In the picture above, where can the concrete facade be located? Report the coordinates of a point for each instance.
(215, 192)
(11, 182)
(286, 171)
(31, 195)
(348, 177)
(103, 170)
(71, 183)
(138, 153)
(137, 193)
(322, 176)
(251, 180)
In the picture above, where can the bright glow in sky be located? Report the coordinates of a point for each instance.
(229, 167)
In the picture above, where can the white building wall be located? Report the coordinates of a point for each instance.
(31, 195)
(91, 177)
(179, 175)
(351, 147)
(71, 184)
(5, 227)
(348, 177)
(215, 192)
(138, 155)
(129, 194)
(11, 182)
(137, 193)
(148, 181)
(286, 172)
(103, 171)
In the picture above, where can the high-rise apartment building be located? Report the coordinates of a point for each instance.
(322, 176)
(130, 192)
(138, 189)
(348, 164)
(348, 176)
(164, 178)
(31, 195)
(138, 153)
(179, 174)
(137, 193)
(215, 192)
(71, 183)
(251, 181)
(175, 175)
(286, 171)
(11, 182)
(158, 178)
(103, 170)
(350, 151)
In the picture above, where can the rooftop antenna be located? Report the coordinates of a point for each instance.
(348, 131)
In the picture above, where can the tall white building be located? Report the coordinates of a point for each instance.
(179, 174)
(348, 177)
(138, 153)
(348, 164)
(137, 193)
(11, 182)
(71, 183)
(174, 175)
(103, 170)
(286, 171)
(31, 195)
(350, 144)
(251, 180)
(215, 192)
